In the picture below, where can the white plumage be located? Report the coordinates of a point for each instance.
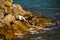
(21, 18)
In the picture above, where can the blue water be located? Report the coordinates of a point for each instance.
(50, 8)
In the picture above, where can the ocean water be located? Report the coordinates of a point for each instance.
(49, 8)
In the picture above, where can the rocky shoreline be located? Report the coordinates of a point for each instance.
(16, 22)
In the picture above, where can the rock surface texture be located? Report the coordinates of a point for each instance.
(15, 22)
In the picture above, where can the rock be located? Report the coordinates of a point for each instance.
(17, 30)
(1, 1)
(8, 10)
(8, 3)
(1, 39)
(1, 13)
(9, 18)
(9, 0)
(1, 25)
(2, 6)
(9, 36)
(18, 9)
(1, 20)
(21, 25)
(1, 10)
